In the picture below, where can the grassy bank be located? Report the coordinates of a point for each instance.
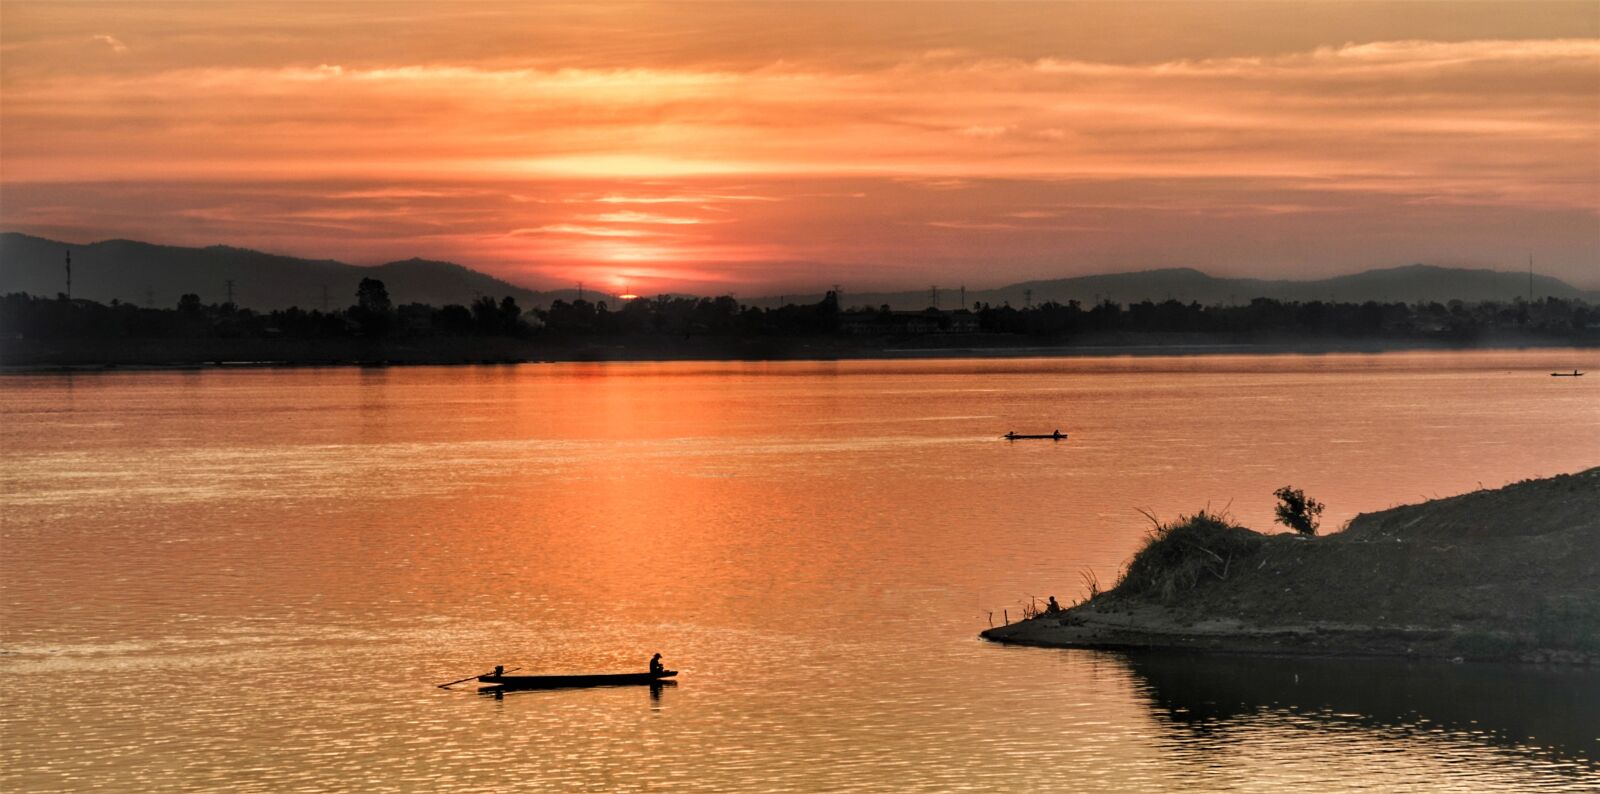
(1508, 574)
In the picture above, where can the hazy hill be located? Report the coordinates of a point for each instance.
(138, 272)
(1406, 284)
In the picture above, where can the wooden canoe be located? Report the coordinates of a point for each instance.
(575, 681)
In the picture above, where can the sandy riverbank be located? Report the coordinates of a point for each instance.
(1511, 574)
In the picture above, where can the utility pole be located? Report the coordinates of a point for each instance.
(229, 284)
(69, 274)
(1530, 279)
(933, 294)
(963, 297)
(1027, 299)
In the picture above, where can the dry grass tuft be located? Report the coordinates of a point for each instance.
(1180, 555)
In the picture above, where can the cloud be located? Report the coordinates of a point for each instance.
(641, 217)
(619, 135)
(1418, 108)
(110, 41)
(572, 228)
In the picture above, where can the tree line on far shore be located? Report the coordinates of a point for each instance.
(374, 315)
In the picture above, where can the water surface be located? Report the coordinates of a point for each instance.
(250, 580)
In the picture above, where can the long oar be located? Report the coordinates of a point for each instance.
(470, 677)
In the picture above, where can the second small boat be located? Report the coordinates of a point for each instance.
(1056, 436)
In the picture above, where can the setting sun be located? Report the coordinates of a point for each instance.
(765, 146)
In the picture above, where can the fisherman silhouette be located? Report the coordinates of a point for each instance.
(1058, 432)
(656, 667)
(1052, 607)
(499, 670)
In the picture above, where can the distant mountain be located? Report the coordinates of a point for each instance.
(136, 272)
(1405, 284)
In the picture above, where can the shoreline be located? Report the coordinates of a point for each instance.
(1320, 640)
(253, 355)
(1505, 575)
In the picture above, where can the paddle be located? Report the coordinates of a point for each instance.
(470, 677)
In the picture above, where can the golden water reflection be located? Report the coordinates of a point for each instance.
(251, 579)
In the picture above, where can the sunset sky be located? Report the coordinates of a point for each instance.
(762, 147)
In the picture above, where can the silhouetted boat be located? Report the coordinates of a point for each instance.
(1572, 374)
(575, 681)
(1025, 436)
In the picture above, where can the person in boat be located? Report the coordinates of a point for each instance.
(656, 667)
(499, 670)
(1058, 434)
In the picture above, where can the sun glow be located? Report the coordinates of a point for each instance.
(920, 140)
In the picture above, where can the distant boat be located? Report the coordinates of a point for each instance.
(1572, 374)
(1056, 436)
(575, 681)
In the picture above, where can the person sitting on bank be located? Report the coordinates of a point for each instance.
(1052, 607)
(656, 667)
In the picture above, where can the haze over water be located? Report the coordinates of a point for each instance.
(251, 580)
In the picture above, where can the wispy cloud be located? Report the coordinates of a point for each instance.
(113, 42)
(642, 217)
(593, 132)
(573, 228)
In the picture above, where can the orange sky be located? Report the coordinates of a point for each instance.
(764, 147)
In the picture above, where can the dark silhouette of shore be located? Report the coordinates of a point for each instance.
(40, 332)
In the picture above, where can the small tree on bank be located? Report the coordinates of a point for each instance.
(373, 308)
(1296, 511)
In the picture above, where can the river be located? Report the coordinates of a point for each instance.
(250, 580)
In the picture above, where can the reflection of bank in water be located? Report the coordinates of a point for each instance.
(1544, 710)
